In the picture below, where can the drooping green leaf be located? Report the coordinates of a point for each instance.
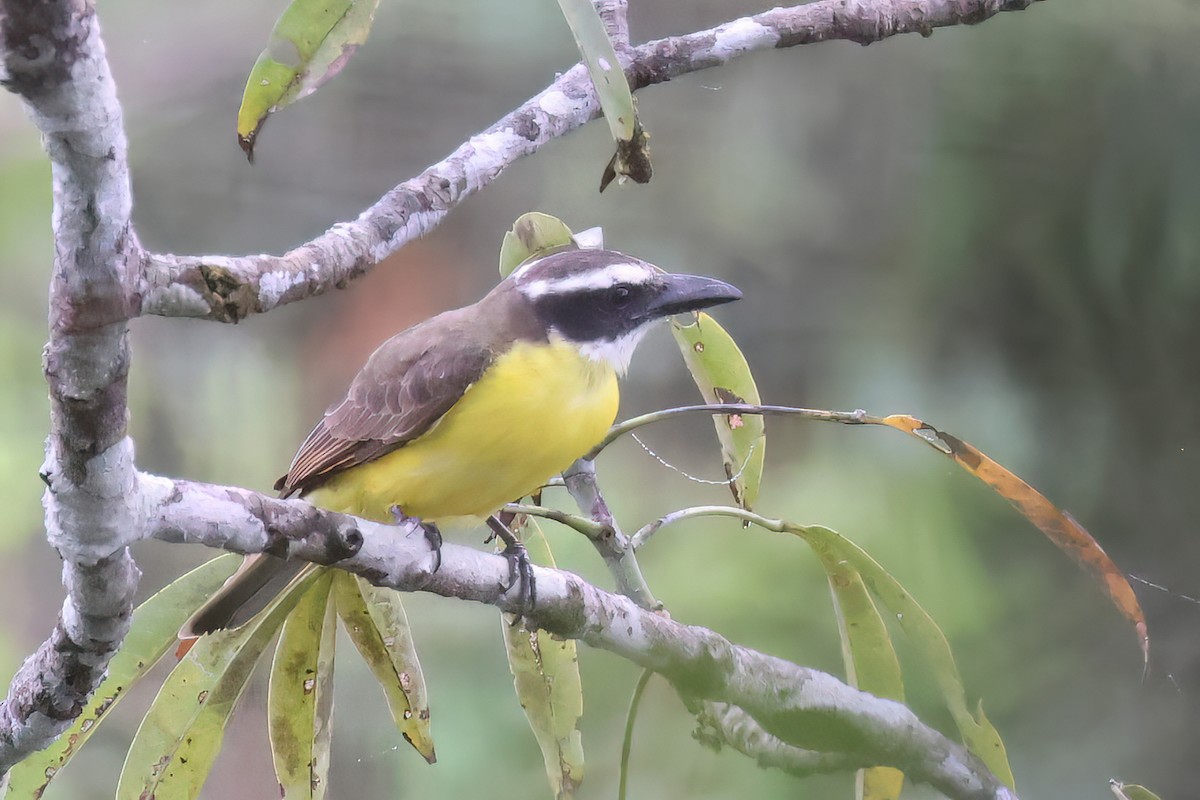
(533, 234)
(723, 376)
(601, 59)
(300, 699)
(632, 158)
(387, 612)
(375, 620)
(978, 734)
(181, 734)
(871, 663)
(151, 634)
(311, 42)
(546, 676)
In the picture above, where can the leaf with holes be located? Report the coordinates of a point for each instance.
(180, 735)
(632, 157)
(311, 42)
(723, 376)
(375, 620)
(151, 634)
(300, 698)
(546, 676)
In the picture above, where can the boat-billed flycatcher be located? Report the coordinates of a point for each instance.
(476, 407)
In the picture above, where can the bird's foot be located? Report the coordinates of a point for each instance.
(432, 534)
(520, 568)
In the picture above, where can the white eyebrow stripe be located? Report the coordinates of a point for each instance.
(610, 275)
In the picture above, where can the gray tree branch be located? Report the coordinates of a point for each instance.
(54, 60)
(725, 725)
(227, 289)
(793, 708)
(615, 16)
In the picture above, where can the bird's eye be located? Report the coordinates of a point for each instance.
(620, 295)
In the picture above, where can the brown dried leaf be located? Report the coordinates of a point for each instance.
(1058, 525)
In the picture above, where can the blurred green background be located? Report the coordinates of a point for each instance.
(995, 229)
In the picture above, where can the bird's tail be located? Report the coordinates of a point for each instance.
(256, 583)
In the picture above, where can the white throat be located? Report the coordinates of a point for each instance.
(617, 353)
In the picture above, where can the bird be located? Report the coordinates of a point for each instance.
(474, 408)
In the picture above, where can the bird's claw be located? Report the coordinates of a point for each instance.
(434, 537)
(520, 568)
(432, 534)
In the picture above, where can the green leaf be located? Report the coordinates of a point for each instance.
(151, 635)
(723, 376)
(533, 234)
(181, 734)
(1131, 791)
(603, 66)
(546, 676)
(375, 620)
(300, 699)
(871, 663)
(977, 732)
(632, 158)
(311, 42)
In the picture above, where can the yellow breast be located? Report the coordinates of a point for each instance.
(535, 410)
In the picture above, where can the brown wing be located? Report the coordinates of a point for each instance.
(404, 388)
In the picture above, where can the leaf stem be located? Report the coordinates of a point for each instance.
(592, 529)
(627, 742)
(646, 531)
(856, 417)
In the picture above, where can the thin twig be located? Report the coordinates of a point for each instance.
(856, 417)
(646, 531)
(588, 527)
(627, 740)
